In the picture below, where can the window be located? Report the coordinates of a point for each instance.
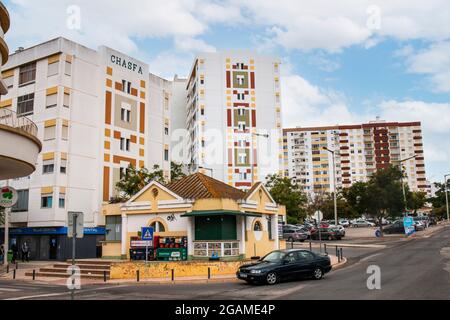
(27, 73)
(52, 100)
(257, 226)
(50, 133)
(113, 228)
(62, 200)
(46, 201)
(126, 86)
(52, 69)
(158, 226)
(124, 144)
(64, 132)
(48, 166)
(22, 202)
(166, 155)
(25, 105)
(269, 227)
(68, 68)
(9, 82)
(125, 113)
(166, 131)
(66, 102)
(63, 166)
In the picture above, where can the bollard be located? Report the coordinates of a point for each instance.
(337, 251)
(137, 275)
(341, 254)
(34, 274)
(325, 248)
(292, 243)
(14, 274)
(173, 275)
(209, 273)
(7, 268)
(104, 276)
(310, 245)
(338, 255)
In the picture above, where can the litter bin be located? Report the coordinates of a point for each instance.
(10, 255)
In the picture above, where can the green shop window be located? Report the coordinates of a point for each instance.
(215, 227)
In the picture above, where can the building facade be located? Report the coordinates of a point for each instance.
(94, 117)
(359, 151)
(232, 109)
(196, 217)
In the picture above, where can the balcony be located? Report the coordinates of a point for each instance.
(19, 145)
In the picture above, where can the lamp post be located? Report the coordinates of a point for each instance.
(446, 195)
(334, 185)
(401, 180)
(211, 170)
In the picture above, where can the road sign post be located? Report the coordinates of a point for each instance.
(146, 235)
(8, 198)
(75, 229)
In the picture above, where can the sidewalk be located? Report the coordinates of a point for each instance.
(20, 276)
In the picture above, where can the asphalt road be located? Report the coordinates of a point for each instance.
(416, 269)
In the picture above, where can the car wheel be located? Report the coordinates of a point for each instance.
(271, 278)
(317, 273)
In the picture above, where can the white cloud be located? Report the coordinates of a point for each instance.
(434, 62)
(193, 44)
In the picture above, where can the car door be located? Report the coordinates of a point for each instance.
(288, 268)
(304, 264)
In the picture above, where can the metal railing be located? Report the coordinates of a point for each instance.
(11, 119)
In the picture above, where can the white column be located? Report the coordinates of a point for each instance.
(275, 230)
(124, 239)
(190, 235)
(242, 243)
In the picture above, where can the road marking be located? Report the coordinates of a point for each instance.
(371, 256)
(9, 289)
(62, 293)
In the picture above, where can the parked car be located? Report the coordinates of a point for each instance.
(304, 229)
(340, 229)
(362, 223)
(326, 234)
(419, 225)
(344, 223)
(294, 234)
(396, 227)
(285, 264)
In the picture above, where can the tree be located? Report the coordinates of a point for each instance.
(415, 199)
(176, 171)
(344, 209)
(135, 180)
(357, 198)
(438, 201)
(286, 193)
(384, 194)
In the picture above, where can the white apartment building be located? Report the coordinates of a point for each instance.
(359, 151)
(232, 111)
(97, 112)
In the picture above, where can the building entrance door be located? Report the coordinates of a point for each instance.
(53, 248)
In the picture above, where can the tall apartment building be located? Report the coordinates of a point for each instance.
(232, 111)
(97, 112)
(359, 151)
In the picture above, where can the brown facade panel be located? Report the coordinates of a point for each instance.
(142, 117)
(105, 183)
(117, 159)
(108, 102)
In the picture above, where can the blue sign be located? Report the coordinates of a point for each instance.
(408, 224)
(378, 233)
(147, 234)
(51, 231)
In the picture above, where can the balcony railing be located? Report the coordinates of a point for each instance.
(11, 119)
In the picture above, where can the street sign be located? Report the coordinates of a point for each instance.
(75, 224)
(408, 224)
(147, 234)
(8, 197)
(318, 215)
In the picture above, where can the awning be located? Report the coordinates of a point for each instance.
(203, 213)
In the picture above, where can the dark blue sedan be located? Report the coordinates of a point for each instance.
(289, 264)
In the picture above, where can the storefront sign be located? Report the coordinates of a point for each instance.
(54, 231)
(141, 244)
(8, 197)
(124, 63)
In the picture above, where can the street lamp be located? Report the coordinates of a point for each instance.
(446, 194)
(401, 180)
(334, 184)
(204, 168)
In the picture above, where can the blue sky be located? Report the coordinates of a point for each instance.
(343, 61)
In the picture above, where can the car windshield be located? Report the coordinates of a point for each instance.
(274, 256)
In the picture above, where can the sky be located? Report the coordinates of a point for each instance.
(343, 62)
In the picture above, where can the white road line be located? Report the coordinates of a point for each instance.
(9, 290)
(370, 257)
(62, 293)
